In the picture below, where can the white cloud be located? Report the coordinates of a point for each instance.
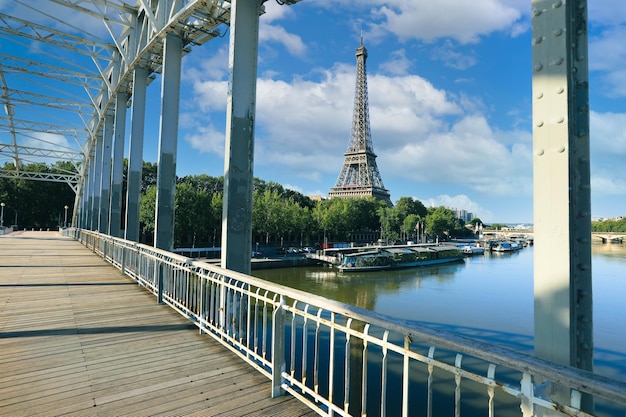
(459, 201)
(206, 139)
(608, 152)
(470, 153)
(399, 64)
(420, 133)
(277, 34)
(461, 20)
(607, 12)
(452, 57)
(607, 55)
(46, 141)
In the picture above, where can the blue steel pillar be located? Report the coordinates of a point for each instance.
(105, 175)
(168, 138)
(239, 155)
(84, 198)
(97, 171)
(89, 196)
(562, 203)
(118, 165)
(135, 158)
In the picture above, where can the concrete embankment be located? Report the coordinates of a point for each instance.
(267, 263)
(286, 262)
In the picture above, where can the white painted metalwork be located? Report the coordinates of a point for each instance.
(286, 334)
(562, 186)
(115, 38)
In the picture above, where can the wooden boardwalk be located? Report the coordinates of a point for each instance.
(79, 339)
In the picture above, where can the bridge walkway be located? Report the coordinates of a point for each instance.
(79, 339)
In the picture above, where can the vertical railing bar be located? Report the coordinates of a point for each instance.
(346, 398)
(364, 372)
(239, 323)
(576, 399)
(383, 384)
(222, 305)
(491, 374)
(457, 389)
(256, 322)
(278, 347)
(316, 357)
(236, 300)
(212, 302)
(526, 396)
(265, 332)
(405, 377)
(234, 308)
(429, 402)
(331, 361)
(202, 309)
(248, 320)
(189, 290)
(293, 340)
(304, 344)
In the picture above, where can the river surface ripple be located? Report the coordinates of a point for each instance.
(487, 297)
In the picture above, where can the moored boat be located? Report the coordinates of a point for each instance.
(507, 246)
(472, 250)
(399, 257)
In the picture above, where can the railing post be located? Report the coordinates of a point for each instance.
(278, 348)
(159, 272)
(123, 259)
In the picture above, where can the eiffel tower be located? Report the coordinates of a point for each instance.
(359, 176)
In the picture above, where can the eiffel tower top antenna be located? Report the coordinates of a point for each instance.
(359, 176)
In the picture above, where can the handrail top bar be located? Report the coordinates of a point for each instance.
(575, 378)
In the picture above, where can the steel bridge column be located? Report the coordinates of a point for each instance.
(105, 175)
(168, 138)
(87, 215)
(97, 170)
(239, 155)
(84, 198)
(135, 158)
(562, 207)
(118, 164)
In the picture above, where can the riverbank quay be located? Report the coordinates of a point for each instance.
(271, 263)
(78, 338)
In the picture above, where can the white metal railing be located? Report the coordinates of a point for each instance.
(343, 360)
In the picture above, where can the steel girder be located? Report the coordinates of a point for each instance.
(58, 81)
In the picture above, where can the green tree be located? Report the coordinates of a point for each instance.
(37, 204)
(409, 225)
(147, 207)
(440, 222)
(390, 224)
(407, 205)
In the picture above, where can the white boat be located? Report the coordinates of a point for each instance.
(507, 246)
(472, 250)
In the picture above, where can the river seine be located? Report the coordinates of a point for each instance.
(487, 297)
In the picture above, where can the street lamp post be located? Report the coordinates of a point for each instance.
(65, 222)
(2, 215)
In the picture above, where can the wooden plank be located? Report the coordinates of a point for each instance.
(77, 338)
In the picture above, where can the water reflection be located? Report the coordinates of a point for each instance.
(488, 297)
(616, 251)
(361, 289)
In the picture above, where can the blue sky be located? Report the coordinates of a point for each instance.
(449, 94)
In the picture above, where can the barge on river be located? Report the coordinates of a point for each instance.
(399, 257)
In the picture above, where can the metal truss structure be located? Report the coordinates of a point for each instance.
(359, 176)
(63, 64)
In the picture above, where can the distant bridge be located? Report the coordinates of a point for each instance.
(604, 237)
(609, 237)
